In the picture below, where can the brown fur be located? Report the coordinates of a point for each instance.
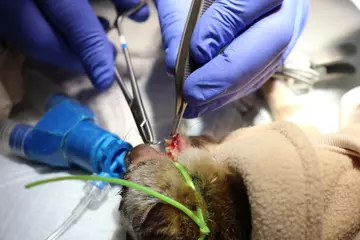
(225, 201)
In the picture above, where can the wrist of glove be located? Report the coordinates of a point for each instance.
(255, 36)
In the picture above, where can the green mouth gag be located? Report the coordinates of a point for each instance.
(198, 218)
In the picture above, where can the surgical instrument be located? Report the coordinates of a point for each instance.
(135, 102)
(184, 66)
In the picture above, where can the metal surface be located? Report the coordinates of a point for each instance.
(135, 101)
(184, 67)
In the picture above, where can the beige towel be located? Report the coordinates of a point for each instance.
(301, 184)
(297, 188)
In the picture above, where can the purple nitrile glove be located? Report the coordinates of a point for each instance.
(259, 34)
(66, 33)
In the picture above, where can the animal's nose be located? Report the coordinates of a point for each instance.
(143, 152)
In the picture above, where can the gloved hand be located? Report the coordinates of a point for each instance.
(65, 33)
(260, 35)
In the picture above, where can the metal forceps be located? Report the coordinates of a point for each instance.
(135, 101)
(184, 66)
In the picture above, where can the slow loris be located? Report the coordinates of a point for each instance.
(225, 204)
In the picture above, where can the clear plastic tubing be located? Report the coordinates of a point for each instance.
(95, 193)
(13, 136)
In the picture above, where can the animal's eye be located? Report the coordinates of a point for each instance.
(196, 178)
(192, 207)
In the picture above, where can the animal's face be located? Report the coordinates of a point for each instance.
(147, 217)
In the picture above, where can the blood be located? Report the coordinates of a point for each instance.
(175, 145)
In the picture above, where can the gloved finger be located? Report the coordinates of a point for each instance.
(79, 25)
(222, 22)
(140, 15)
(228, 96)
(245, 60)
(172, 16)
(32, 34)
(198, 111)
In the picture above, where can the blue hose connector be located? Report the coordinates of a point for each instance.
(67, 136)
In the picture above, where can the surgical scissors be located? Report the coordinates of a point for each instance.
(184, 66)
(134, 101)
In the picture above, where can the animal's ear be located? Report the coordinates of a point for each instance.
(142, 153)
(152, 215)
(138, 219)
(154, 221)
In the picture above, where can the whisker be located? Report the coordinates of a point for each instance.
(191, 127)
(128, 133)
(137, 131)
(188, 129)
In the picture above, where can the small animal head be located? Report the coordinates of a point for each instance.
(223, 201)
